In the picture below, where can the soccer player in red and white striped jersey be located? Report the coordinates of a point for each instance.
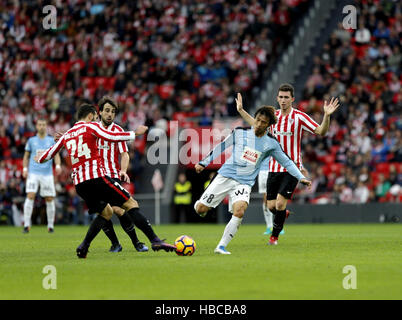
(288, 131)
(111, 153)
(98, 190)
(81, 144)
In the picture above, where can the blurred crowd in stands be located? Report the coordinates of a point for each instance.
(161, 58)
(155, 57)
(361, 158)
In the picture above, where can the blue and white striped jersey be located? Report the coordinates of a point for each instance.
(34, 145)
(249, 151)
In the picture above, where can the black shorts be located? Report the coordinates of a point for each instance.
(280, 182)
(118, 181)
(97, 193)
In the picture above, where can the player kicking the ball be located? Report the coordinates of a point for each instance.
(238, 174)
(110, 153)
(288, 130)
(99, 191)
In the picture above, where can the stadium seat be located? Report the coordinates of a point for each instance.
(327, 159)
(397, 165)
(336, 167)
(7, 153)
(334, 149)
(18, 163)
(374, 178)
(382, 167)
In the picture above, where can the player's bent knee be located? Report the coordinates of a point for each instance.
(239, 209)
(281, 202)
(107, 212)
(118, 211)
(281, 205)
(129, 204)
(271, 205)
(239, 213)
(201, 208)
(31, 195)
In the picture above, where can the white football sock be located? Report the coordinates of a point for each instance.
(51, 212)
(230, 230)
(28, 208)
(268, 216)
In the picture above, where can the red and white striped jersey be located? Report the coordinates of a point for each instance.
(110, 151)
(81, 142)
(289, 131)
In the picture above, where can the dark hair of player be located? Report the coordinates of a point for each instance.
(110, 100)
(287, 87)
(269, 112)
(84, 110)
(40, 118)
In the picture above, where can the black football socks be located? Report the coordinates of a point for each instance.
(94, 229)
(278, 221)
(128, 227)
(143, 224)
(110, 233)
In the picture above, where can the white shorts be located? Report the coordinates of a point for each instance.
(262, 181)
(44, 183)
(220, 187)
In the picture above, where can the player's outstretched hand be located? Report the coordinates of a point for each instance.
(124, 177)
(331, 107)
(304, 172)
(141, 130)
(306, 182)
(199, 168)
(57, 136)
(239, 102)
(58, 170)
(38, 154)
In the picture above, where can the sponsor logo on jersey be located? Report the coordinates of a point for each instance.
(104, 147)
(250, 155)
(283, 133)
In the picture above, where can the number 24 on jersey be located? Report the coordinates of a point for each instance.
(78, 151)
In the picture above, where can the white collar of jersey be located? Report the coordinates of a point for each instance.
(100, 122)
(290, 113)
(252, 129)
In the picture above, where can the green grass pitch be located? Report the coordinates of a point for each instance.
(308, 263)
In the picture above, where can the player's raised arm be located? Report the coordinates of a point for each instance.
(50, 152)
(141, 130)
(329, 109)
(113, 135)
(244, 114)
(58, 135)
(219, 148)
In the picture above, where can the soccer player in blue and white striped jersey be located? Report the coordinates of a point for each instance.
(238, 174)
(39, 176)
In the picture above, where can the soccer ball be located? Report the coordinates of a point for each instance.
(185, 246)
